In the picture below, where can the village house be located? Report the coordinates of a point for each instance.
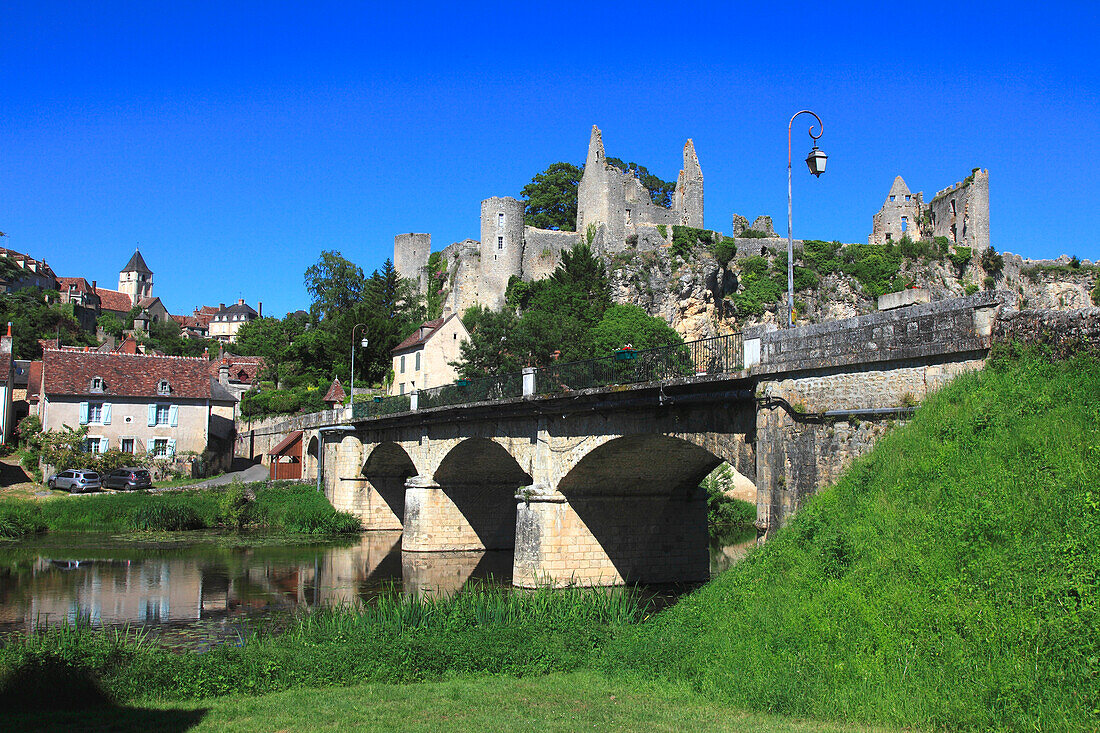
(26, 273)
(7, 386)
(138, 403)
(423, 359)
(227, 321)
(237, 374)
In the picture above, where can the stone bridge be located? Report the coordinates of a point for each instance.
(600, 486)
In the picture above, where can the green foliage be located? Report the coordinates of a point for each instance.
(629, 324)
(437, 281)
(970, 288)
(760, 286)
(282, 505)
(110, 324)
(663, 231)
(753, 234)
(875, 266)
(992, 262)
(1095, 293)
(921, 250)
(988, 282)
(724, 250)
(930, 588)
(722, 509)
(35, 314)
(686, 239)
(660, 192)
(960, 258)
(590, 234)
(550, 199)
(334, 283)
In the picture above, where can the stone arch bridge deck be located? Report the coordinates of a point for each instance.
(599, 486)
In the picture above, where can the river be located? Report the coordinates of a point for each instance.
(191, 589)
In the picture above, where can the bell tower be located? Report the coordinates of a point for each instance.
(136, 279)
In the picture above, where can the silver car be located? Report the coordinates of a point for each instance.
(75, 480)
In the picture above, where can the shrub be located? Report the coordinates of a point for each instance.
(960, 258)
(753, 234)
(20, 518)
(724, 251)
(663, 231)
(993, 262)
(1095, 293)
(234, 505)
(988, 282)
(970, 288)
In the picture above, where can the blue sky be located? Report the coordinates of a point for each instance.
(235, 141)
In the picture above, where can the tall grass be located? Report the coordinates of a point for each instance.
(286, 506)
(949, 580)
(484, 630)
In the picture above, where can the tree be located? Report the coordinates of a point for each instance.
(628, 324)
(272, 339)
(550, 199)
(489, 349)
(334, 283)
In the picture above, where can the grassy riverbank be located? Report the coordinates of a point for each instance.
(948, 580)
(283, 505)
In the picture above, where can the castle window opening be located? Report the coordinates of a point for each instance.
(889, 236)
(500, 220)
(904, 224)
(500, 242)
(954, 233)
(628, 216)
(907, 197)
(892, 197)
(953, 207)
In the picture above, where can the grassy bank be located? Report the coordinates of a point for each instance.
(948, 580)
(284, 505)
(487, 630)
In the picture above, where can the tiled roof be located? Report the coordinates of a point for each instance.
(112, 300)
(245, 369)
(335, 393)
(295, 435)
(128, 375)
(422, 334)
(137, 264)
(38, 267)
(82, 285)
(34, 380)
(147, 302)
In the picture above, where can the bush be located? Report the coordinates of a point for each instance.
(988, 282)
(235, 504)
(724, 251)
(993, 262)
(960, 258)
(753, 234)
(1095, 293)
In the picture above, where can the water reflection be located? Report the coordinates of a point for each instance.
(212, 580)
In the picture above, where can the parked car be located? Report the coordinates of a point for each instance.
(75, 480)
(128, 479)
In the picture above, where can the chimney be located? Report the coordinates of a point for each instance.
(260, 309)
(221, 306)
(93, 286)
(240, 301)
(223, 373)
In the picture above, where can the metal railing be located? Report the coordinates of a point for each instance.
(465, 391)
(718, 355)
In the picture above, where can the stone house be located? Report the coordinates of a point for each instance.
(423, 359)
(237, 374)
(227, 321)
(138, 403)
(7, 386)
(33, 273)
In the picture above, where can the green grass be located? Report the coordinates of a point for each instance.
(284, 505)
(948, 580)
(556, 702)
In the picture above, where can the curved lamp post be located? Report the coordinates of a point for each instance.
(363, 343)
(816, 162)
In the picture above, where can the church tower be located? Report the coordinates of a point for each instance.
(136, 279)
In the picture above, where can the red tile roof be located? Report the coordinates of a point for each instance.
(112, 300)
(286, 442)
(124, 375)
(422, 334)
(82, 285)
(244, 369)
(335, 393)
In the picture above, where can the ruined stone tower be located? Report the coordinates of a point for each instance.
(689, 189)
(410, 254)
(501, 247)
(899, 216)
(136, 279)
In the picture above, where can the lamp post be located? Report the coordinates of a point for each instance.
(816, 162)
(364, 345)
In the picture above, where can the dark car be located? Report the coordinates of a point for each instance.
(128, 479)
(76, 480)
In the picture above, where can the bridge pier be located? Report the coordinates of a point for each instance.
(456, 517)
(602, 539)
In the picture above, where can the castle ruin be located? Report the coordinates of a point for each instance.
(959, 212)
(612, 207)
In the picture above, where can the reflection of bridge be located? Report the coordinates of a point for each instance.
(599, 485)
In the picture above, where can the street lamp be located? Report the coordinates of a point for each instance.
(816, 162)
(363, 343)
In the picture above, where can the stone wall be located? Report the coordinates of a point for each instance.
(410, 255)
(961, 212)
(1063, 332)
(501, 248)
(542, 250)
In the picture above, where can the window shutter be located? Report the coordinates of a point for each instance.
(83, 413)
(171, 447)
(173, 415)
(104, 445)
(152, 415)
(106, 413)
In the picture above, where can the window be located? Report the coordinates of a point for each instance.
(97, 384)
(127, 445)
(95, 412)
(402, 363)
(160, 447)
(500, 220)
(500, 242)
(162, 414)
(96, 444)
(892, 198)
(163, 387)
(628, 216)
(889, 236)
(416, 368)
(904, 224)
(952, 207)
(907, 197)
(401, 387)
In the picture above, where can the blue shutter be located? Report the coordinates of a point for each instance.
(174, 415)
(104, 445)
(105, 413)
(83, 413)
(152, 415)
(171, 447)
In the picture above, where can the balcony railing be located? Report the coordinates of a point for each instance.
(465, 391)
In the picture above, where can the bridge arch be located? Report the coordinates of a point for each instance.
(382, 500)
(627, 511)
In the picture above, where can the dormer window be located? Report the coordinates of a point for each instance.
(163, 387)
(97, 384)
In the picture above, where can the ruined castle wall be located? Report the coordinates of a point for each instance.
(463, 266)
(501, 248)
(895, 219)
(542, 250)
(410, 255)
(961, 212)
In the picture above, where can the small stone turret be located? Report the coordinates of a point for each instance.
(501, 247)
